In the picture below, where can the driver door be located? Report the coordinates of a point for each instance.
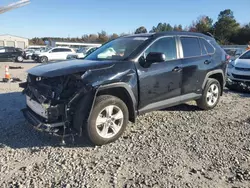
(160, 84)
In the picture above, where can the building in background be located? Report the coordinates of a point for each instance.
(14, 41)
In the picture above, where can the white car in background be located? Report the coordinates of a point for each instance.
(238, 71)
(82, 52)
(53, 54)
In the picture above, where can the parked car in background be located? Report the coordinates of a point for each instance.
(238, 72)
(234, 52)
(51, 54)
(80, 55)
(126, 77)
(82, 52)
(11, 54)
(29, 53)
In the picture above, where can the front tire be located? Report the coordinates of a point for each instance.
(43, 59)
(107, 121)
(211, 95)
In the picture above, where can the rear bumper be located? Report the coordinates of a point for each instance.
(37, 123)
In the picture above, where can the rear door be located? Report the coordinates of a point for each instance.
(65, 53)
(195, 64)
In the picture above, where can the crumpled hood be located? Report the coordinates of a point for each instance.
(242, 63)
(68, 67)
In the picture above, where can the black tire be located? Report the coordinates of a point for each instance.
(43, 59)
(19, 59)
(202, 102)
(90, 128)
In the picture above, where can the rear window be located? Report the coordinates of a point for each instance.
(208, 46)
(191, 46)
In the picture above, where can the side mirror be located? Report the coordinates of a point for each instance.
(152, 57)
(155, 57)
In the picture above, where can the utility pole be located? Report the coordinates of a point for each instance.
(15, 5)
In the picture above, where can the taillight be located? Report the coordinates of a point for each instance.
(227, 58)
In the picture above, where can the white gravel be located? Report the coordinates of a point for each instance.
(177, 147)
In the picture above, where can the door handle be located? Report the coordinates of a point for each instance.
(177, 69)
(207, 62)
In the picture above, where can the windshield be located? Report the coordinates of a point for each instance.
(45, 49)
(118, 49)
(245, 56)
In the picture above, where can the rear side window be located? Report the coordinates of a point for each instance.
(191, 46)
(208, 46)
(166, 45)
(10, 50)
(66, 50)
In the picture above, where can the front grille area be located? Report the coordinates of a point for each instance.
(242, 69)
(243, 77)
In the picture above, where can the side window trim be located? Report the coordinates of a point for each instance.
(203, 46)
(210, 45)
(176, 46)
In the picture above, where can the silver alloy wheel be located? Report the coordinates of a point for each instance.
(109, 121)
(19, 58)
(212, 94)
(42, 59)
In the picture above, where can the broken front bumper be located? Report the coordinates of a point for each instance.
(37, 123)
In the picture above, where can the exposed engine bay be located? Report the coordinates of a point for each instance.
(53, 100)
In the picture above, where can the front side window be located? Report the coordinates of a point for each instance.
(191, 47)
(118, 49)
(166, 45)
(245, 55)
(56, 50)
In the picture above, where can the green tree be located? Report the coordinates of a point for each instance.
(141, 29)
(226, 27)
(161, 27)
(103, 37)
(204, 24)
(114, 36)
(178, 28)
(243, 36)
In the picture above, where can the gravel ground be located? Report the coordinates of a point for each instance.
(177, 147)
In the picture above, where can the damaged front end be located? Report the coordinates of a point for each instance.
(52, 102)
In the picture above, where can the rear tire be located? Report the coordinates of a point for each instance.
(211, 95)
(19, 59)
(107, 121)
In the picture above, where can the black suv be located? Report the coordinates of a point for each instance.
(122, 79)
(11, 54)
